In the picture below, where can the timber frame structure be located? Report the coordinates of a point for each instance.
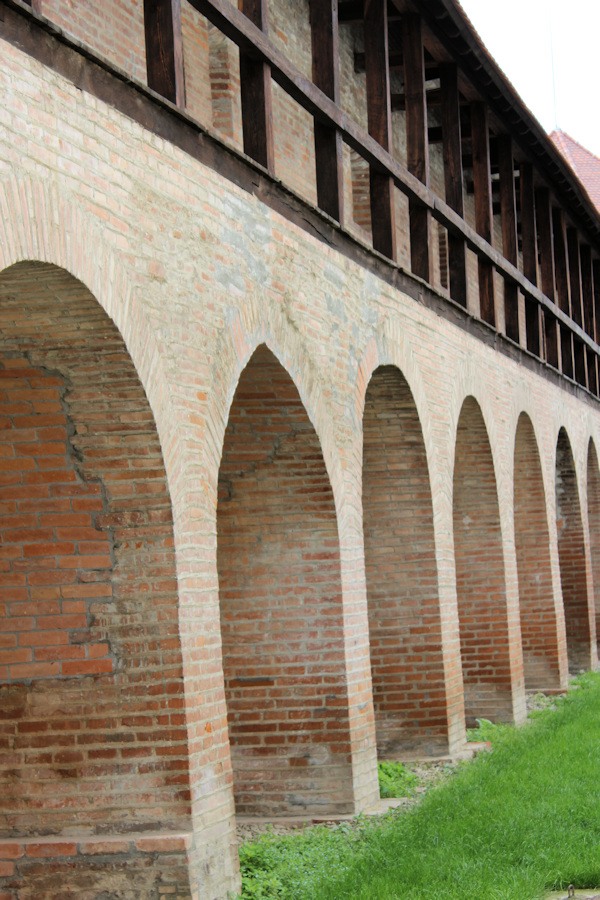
(299, 385)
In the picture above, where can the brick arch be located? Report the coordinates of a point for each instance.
(539, 628)
(28, 231)
(480, 576)
(280, 592)
(593, 505)
(95, 681)
(407, 665)
(572, 557)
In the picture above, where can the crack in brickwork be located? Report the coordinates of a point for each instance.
(92, 724)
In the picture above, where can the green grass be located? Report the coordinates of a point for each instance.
(513, 824)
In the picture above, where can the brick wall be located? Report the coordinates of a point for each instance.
(280, 600)
(114, 28)
(404, 619)
(539, 634)
(93, 731)
(480, 578)
(593, 505)
(571, 551)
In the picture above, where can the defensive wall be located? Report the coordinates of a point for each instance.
(272, 502)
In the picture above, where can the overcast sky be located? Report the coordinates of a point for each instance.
(520, 33)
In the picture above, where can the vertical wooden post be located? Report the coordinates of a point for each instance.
(546, 244)
(453, 177)
(563, 287)
(561, 260)
(575, 278)
(328, 141)
(587, 290)
(257, 105)
(379, 110)
(544, 224)
(596, 336)
(164, 49)
(508, 211)
(417, 142)
(482, 183)
(529, 241)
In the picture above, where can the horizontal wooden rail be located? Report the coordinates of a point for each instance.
(236, 26)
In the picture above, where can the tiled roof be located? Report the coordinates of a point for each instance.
(585, 165)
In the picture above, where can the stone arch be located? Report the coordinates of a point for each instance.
(407, 665)
(480, 576)
(92, 620)
(280, 590)
(539, 631)
(593, 505)
(571, 555)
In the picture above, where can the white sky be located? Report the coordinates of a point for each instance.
(518, 35)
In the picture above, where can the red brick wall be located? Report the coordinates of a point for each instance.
(114, 28)
(196, 64)
(593, 499)
(571, 554)
(480, 584)
(280, 596)
(404, 621)
(536, 596)
(92, 724)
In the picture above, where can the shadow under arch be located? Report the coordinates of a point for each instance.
(280, 592)
(571, 555)
(405, 638)
(480, 576)
(539, 629)
(97, 662)
(593, 504)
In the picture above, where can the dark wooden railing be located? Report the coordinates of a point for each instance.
(561, 318)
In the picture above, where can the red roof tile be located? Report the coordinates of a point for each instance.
(585, 165)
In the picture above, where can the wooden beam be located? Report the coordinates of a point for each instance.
(546, 243)
(417, 143)
(397, 63)
(566, 346)
(529, 254)
(164, 49)
(482, 181)
(587, 289)
(575, 279)
(580, 362)
(36, 6)
(328, 141)
(508, 212)
(596, 280)
(552, 340)
(453, 178)
(255, 85)
(383, 218)
(561, 260)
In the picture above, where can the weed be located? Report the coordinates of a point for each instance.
(395, 780)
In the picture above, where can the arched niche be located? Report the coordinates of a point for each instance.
(281, 604)
(401, 570)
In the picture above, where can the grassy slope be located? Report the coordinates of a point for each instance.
(516, 822)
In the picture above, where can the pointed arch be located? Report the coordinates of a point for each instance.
(95, 660)
(539, 632)
(480, 577)
(593, 504)
(280, 592)
(407, 668)
(571, 554)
